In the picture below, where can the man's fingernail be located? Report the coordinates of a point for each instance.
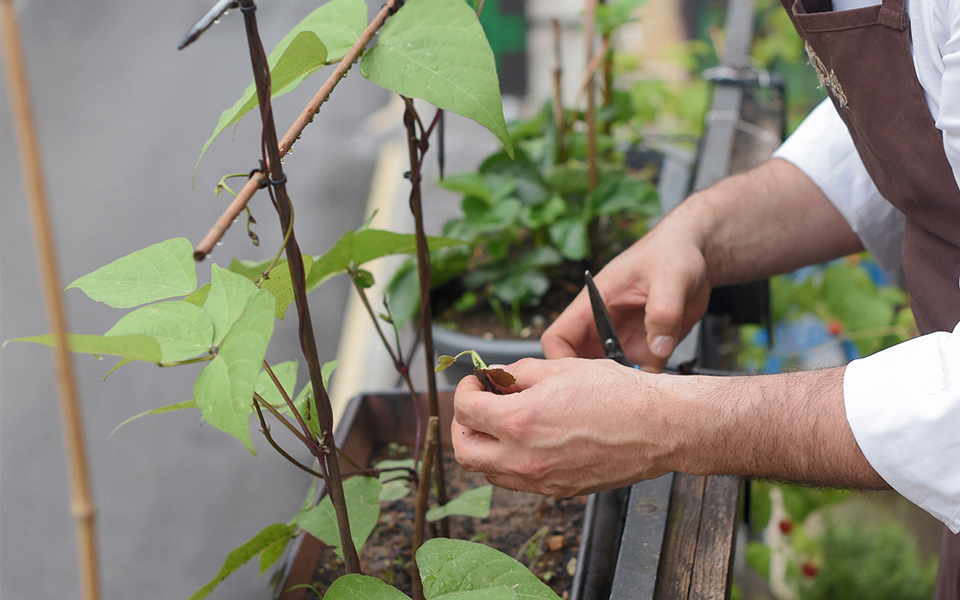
(662, 346)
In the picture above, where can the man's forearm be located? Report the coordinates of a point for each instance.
(790, 427)
(769, 220)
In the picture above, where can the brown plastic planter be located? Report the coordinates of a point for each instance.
(374, 419)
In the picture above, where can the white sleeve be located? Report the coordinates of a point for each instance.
(947, 113)
(822, 148)
(903, 405)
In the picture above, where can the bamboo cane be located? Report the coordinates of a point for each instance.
(81, 498)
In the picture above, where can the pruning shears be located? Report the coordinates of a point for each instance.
(608, 334)
(208, 19)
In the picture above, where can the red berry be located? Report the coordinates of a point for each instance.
(809, 570)
(834, 327)
(786, 526)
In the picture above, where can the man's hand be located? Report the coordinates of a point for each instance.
(655, 291)
(567, 427)
(575, 426)
(770, 220)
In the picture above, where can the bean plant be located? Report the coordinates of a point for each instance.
(431, 50)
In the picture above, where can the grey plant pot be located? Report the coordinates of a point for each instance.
(494, 352)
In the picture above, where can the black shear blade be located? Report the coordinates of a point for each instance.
(608, 335)
(208, 19)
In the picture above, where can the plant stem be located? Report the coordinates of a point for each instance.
(81, 497)
(559, 121)
(591, 12)
(308, 344)
(286, 398)
(416, 147)
(401, 367)
(607, 71)
(430, 450)
(223, 223)
(265, 429)
(259, 401)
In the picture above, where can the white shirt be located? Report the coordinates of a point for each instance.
(903, 404)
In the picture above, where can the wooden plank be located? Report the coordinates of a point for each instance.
(716, 539)
(679, 544)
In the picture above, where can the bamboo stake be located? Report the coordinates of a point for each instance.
(257, 180)
(430, 447)
(81, 498)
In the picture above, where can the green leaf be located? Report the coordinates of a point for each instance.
(394, 490)
(226, 301)
(403, 294)
(468, 184)
(500, 592)
(200, 296)
(364, 279)
(272, 553)
(448, 566)
(123, 361)
(519, 177)
(157, 272)
(544, 213)
(137, 347)
(626, 194)
(569, 235)
(356, 248)
(613, 15)
(337, 24)
(392, 476)
(158, 411)
(521, 286)
(436, 50)
(280, 286)
(499, 217)
(542, 256)
(289, 65)
(183, 330)
(251, 269)
(363, 507)
(224, 389)
(471, 503)
(286, 373)
(569, 179)
(362, 587)
(239, 556)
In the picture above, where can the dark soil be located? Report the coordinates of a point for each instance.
(541, 532)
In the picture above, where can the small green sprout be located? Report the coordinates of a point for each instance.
(488, 376)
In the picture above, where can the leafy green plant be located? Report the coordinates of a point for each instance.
(846, 305)
(570, 199)
(810, 552)
(433, 50)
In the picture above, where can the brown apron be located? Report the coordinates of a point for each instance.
(863, 58)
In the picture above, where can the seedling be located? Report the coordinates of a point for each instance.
(493, 380)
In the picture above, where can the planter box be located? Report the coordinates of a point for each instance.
(375, 419)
